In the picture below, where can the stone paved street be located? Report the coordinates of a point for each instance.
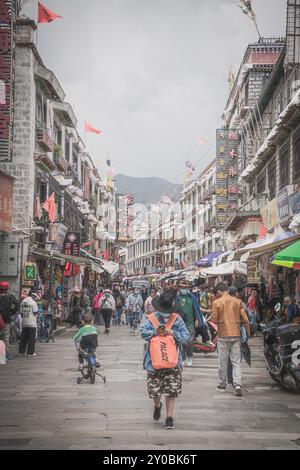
(42, 407)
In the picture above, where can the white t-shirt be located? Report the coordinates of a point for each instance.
(28, 309)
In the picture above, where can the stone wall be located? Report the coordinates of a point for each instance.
(22, 167)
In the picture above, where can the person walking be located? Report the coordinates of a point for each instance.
(168, 331)
(228, 314)
(8, 307)
(107, 306)
(148, 306)
(29, 312)
(188, 308)
(98, 319)
(75, 305)
(134, 304)
(120, 301)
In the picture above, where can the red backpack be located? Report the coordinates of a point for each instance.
(163, 349)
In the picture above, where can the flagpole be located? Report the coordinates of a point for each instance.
(256, 26)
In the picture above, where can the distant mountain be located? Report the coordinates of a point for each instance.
(147, 190)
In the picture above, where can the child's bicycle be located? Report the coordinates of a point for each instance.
(88, 371)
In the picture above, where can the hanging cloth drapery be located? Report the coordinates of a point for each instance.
(37, 207)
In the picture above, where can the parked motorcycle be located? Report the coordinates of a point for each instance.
(282, 352)
(199, 347)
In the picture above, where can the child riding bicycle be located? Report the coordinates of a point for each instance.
(86, 339)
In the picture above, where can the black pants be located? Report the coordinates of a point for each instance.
(77, 318)
(27, 341)
(107, 314)
(204, 333)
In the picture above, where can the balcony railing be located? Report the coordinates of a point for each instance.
(44, 161)
(61, 162)
(43, 137)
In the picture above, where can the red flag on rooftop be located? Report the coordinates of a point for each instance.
(46, 15)
(89, 128)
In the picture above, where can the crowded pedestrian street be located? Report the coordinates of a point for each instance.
(42, 406)
(149, 228)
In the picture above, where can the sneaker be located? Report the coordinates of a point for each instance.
(157, 412)
(221, 388)
(169, 423)
(31, 355)
(238, 391)
(189, 362)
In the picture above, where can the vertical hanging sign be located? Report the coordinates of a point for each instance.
(7, 23)
(221, 190)
(227, 174)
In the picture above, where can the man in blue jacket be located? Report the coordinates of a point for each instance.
(189, 309)
(164, 381)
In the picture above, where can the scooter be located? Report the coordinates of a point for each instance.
(282, 352)
(199, 347)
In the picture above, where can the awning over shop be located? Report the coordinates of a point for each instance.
(47, 254)
(224, 258)
(171, 275)
(270, 243)
(110, 267)
(208, 260)
(192, 275)
(226, 268)
(289, 257)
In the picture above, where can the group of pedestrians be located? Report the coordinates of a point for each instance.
(170, 330)
(21, 320)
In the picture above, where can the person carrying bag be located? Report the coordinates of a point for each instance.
(165, 333)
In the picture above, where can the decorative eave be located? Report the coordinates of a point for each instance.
(238, 218)
(278, 133)
(67, 112)
(46, 75)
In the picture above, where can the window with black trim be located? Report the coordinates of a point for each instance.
(284, 165)
(261, 182)
(297, 156)
(272, 179)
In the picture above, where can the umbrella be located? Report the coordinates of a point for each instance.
(246, 353)
(289, 257)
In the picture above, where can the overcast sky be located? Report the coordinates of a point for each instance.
(151, 73)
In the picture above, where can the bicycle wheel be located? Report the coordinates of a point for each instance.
(92, 374)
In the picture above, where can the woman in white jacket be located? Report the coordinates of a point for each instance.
(107, 306)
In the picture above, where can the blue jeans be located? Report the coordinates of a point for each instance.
(119, 311)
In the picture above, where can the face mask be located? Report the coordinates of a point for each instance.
(165, 316)
(183, 291)
(136, 292)
(106, 294)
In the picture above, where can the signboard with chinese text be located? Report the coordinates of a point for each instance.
(7, 20)
(294, 202)
(253, 275)
(72, 244)
(124, 217)
(57, 235)
(226, 174)
(6, 202)
(283, 204)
